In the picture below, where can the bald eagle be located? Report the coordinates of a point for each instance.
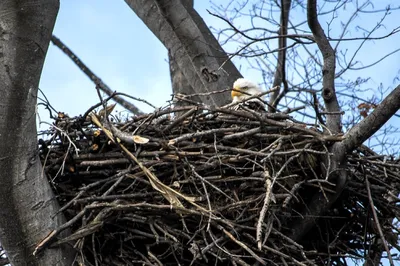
(244, 89)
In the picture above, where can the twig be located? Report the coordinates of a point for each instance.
(376, 220)
(264, 209)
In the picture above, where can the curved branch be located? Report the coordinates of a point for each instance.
(328, 71)
(353, 139)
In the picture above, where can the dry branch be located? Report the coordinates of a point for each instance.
(99, 83)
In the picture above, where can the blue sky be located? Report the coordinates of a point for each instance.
(116, 45)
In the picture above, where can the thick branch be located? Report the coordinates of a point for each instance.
(27, 203)
(372, 123)
(103, 87)
(196, 51)
(280, 75)
(354, 138)
(328, 71)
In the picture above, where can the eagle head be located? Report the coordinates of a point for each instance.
(243, 89)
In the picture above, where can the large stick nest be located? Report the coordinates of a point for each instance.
(213, 186)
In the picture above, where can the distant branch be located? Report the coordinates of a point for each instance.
(127, 105)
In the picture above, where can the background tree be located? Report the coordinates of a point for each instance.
(305, 60)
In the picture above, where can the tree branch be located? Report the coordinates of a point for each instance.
(373, 122)
(328, 71)
(280, 75)
(103, 87)
(180, 85)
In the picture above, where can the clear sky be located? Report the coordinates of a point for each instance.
(116, 45)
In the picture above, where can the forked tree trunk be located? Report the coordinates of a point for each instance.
(195, 50)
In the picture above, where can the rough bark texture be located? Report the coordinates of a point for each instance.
(180, 85)
(27, 205)
(195, 50)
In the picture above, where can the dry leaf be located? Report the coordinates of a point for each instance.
(94, 147)
(108, 110)
(171, 157)
(176, 184)
(71, 169)
(140, 140)
(96, 133)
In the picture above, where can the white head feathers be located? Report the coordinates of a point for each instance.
(243, 89)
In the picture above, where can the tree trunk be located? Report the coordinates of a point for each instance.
(28, 208)
(180, 85)
(195, 50)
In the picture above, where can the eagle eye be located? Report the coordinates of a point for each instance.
(245, 88)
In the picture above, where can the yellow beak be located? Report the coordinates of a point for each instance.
(235, 93)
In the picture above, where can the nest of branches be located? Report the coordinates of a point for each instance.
(193, 185)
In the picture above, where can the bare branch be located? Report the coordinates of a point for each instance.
(328, 71)
(376, 220)
(127, 105)
(280, 74)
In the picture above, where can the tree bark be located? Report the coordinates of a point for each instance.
(195, 50)
(180, 85)
(27, 203)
